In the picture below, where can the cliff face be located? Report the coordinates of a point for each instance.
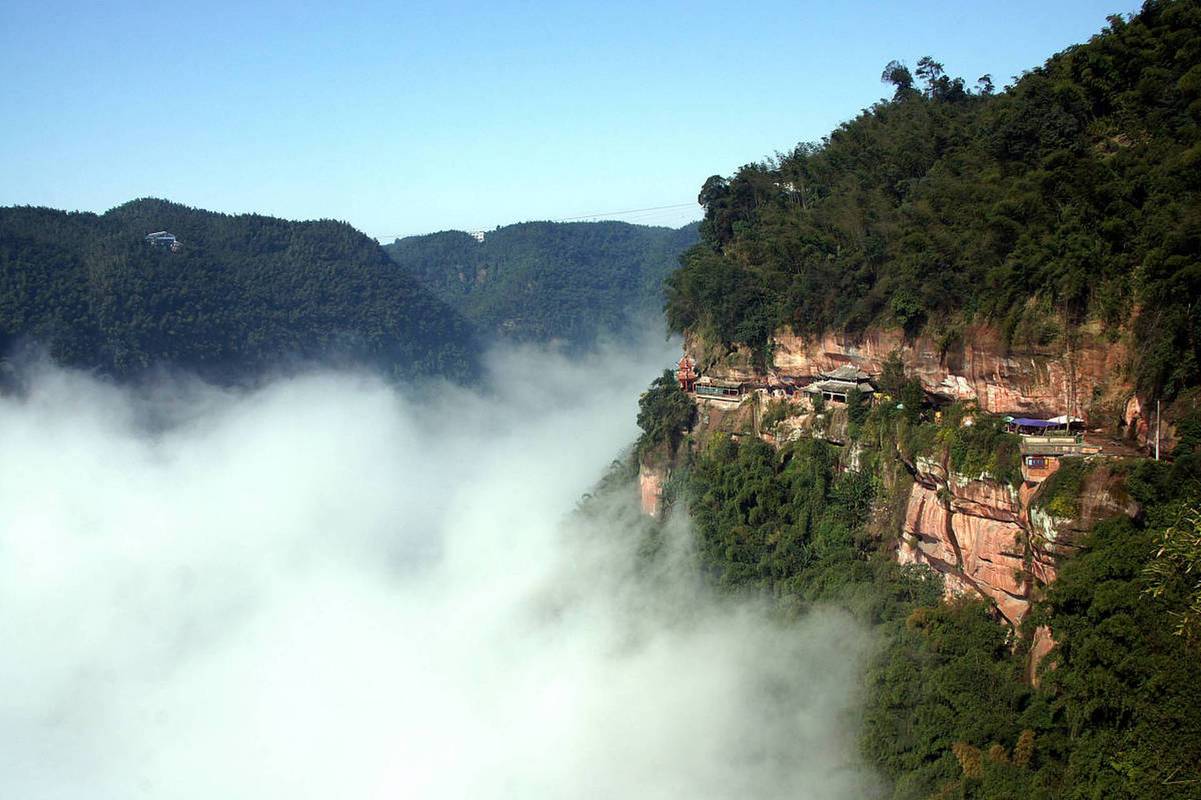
(979, 367)
(1086, 377)
(981, 535)
(651, 478)
(1102, 495)
(986, 537)
(970, 531)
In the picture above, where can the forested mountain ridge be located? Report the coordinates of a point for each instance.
(544, 281)
(1062, 210)
(240, 294)
(1071, 197)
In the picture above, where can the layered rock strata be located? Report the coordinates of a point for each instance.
(970, 530)
(1087, 377)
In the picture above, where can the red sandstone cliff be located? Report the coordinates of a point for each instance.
(970, 531)
(651, 478)
(1087, 376)
(985, 537)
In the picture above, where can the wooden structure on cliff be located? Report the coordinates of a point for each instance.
(1043, 452)
(720, 389)
(686, 375)
(837, 385)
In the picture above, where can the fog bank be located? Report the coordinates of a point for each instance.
(329, 587)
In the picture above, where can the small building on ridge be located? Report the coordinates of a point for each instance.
(163, 239)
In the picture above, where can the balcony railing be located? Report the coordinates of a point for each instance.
(1055, 445)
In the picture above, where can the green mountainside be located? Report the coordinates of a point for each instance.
(1071, 195)
(1068, 199)
(542, 281)
(240, 294)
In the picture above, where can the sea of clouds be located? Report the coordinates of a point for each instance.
(330, 587)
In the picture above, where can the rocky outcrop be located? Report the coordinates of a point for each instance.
(983, 536)
(725, 416)
(986, 537)
(1102, 495)
(651, 479)
(1085, 377)
(976, 366)
(970, 531)
(1041, 645)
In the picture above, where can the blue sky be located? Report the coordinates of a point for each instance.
(412, 117)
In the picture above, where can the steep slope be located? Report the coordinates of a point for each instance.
(1029, 253)
(239, 294)
(545, 281)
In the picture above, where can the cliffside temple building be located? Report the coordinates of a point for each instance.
(686, 374)
(713, 388)
(1046, 441)
(719, 389)
(836, 385)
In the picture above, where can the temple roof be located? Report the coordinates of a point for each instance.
(720, 383)
(838, 387)
(847, 372)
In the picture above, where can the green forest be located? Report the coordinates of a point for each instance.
(241, 294)
(1069, 197)
(948, 709)
(550, 281)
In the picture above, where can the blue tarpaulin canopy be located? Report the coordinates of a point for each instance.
(1035, 423)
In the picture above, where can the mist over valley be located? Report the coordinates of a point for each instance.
(332, 586)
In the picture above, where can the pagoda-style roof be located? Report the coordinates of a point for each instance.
(838, 387)
(719, 383)
(847, 372)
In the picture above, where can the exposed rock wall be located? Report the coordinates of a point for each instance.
(977, 366)
(988, 538)
(651, 479)
(1087, 377)
(984, 537)
(969, 530)
(1102, 495)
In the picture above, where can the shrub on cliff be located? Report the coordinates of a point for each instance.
(787, 521)
(1124, 689)
(945, 676)
(985, 448)
(1060, 493)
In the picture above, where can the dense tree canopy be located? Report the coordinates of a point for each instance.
(948, 710)
(241, 294)
(664, 413)
(1072, 195)
(1069, 198)
(543, 281)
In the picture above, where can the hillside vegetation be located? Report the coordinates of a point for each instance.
(242, 294)
(544, 281)
(948, 709)
(1069, 197)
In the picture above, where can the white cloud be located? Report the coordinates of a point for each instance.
(328, 587)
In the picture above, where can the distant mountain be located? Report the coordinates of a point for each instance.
(545, 281)
(235, 295)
